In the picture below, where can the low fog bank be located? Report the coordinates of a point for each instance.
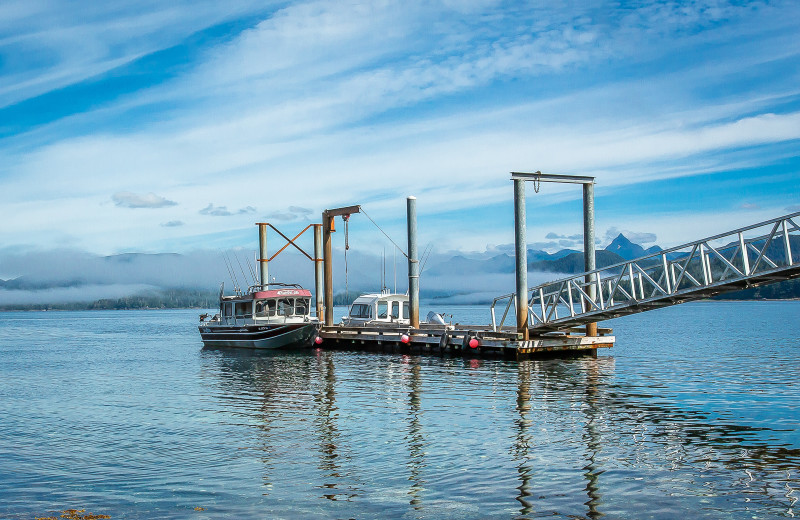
(66, 276)
(475, 288)
(85, 293)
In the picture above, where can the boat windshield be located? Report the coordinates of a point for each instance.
(360, 310)
(282, 307)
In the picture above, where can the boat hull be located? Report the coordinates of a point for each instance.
(283, 336)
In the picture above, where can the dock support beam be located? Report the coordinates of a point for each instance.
(263, 261)
(588, 248)
(327, 263)
(318, 276)
(521, 254)
(519, 179)
(327, 229)
(413, 263)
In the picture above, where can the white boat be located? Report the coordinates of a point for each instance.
(378, 309)
(262, 318)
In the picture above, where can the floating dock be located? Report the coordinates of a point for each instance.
(463, 340)
(548, 315)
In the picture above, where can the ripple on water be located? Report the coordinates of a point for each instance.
(123, 413)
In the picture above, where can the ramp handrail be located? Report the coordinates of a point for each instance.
(689, 271)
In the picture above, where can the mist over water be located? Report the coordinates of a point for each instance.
(692, 414)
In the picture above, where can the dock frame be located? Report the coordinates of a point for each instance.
(443, 340)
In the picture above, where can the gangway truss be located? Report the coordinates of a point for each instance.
(763, 253)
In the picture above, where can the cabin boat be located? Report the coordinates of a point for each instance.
(378, 309)
(262, 318)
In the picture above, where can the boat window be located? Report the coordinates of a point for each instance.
(228, 311)
(261, 308)
(301, 306)
(360, 310)
(406, 312)
(395, 310)
(285, 307)
(270, 304)
(242, 309)
(383, 309)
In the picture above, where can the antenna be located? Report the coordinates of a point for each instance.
(231, 271)
(250, 268)
(425, 257)
(394, 260)
(244, 276)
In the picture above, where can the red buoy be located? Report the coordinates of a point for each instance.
(404, 338)
(473, 343)
(318, 341)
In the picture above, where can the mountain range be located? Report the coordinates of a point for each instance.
(564, 261)
(173, 280)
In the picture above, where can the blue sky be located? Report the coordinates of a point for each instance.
(174, 126)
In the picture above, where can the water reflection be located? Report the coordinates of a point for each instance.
(414, 436)
(339, 410)
(523, 438)
(591, 438)
(325, 424)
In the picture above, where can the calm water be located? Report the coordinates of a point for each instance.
(695, 414)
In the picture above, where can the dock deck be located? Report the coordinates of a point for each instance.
(455, 340)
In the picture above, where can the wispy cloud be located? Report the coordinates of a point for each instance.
(292, 213)
(173, 223)
(222, 211)
(126, 199)
(316, 104)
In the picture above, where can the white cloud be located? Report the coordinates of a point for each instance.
(222, 211)
(126, 199)
(325, 104)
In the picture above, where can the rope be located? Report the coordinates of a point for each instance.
(384, 232)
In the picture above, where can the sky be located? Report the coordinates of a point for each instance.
(173, 127)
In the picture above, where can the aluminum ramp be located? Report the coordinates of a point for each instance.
(760, 254)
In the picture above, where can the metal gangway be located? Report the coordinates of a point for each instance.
(760, 254)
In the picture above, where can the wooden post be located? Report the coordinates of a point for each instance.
(327, 229)
(318, 270)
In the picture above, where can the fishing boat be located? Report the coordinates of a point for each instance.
(378, 308)
(264, 317)
(384, 309)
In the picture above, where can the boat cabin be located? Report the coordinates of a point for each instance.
(281, 306)
(378, 308)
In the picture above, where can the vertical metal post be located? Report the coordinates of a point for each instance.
(413, 262)
(318, 276)
(588, 247)
(263, 256)
(327, 228)
(786, 243)
(521, 255)
(745, 257)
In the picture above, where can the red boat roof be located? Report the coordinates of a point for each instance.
(277, 293)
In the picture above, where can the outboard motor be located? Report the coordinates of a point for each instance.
(434, 317)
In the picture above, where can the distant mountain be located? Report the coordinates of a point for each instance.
(574, 262)
(625, 248)
(535, 255)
